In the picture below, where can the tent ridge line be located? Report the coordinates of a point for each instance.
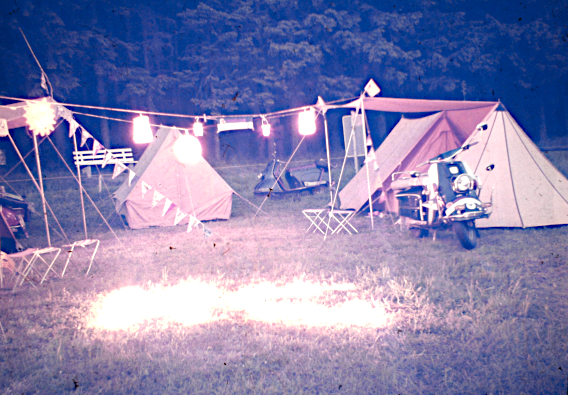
(538, 166)
(510, 170)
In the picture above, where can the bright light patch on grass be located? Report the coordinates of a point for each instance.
(196, 302)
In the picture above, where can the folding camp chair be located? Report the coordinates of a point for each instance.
(30, 257)
(329, 221)
(70, 248)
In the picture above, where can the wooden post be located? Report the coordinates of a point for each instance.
(80, 187)
(41, 191)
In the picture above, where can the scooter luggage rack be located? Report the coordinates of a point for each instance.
(330, 221)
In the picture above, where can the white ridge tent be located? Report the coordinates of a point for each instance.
(527, 189)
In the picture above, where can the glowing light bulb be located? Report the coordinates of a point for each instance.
(307, 122)
(142, 130)
(197, 128)
(187, 149)
(265, 127)
(40, 117)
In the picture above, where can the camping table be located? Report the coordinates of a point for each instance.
(331, 221)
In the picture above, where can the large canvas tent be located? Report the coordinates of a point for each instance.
(196, 189)
(411, 142)
(527, 189)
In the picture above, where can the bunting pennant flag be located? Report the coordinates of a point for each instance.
(369, 141)
(131, 176)
(193, 221)
(4, 128)
(73, 125)
(166, 206)
(65, 113)
(156, 198)
(145, 188)
(119, 167)
(107, 157)
(84, 136)
(179, 216)
(97, 147)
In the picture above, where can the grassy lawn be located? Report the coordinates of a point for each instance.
(263, 307)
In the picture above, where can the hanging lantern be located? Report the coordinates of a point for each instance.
(307, 122)
(197, 128)
(187, 149)
(142, 130)
(265, 127)
(40, 117)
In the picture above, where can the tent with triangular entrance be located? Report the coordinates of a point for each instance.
(163, 188)
(411, 142)
(527, 189)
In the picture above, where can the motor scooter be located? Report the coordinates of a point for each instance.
(446, 196)
(296, 180)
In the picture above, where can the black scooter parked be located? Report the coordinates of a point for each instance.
(296, 180)
(446, 196)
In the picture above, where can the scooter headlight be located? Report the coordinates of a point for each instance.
(462, 183)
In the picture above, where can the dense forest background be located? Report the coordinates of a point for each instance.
(240, 57)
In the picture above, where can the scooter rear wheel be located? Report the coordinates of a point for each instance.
(466, 233)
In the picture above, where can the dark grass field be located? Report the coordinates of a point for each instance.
(263, 307)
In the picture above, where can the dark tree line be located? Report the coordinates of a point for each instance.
(259, 56)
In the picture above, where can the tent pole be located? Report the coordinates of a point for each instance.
(80, 187)
(41, 191)
(355, 156)
(328, 156)
(363, 121)
(35, 184)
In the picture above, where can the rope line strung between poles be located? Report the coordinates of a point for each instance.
(274, 114)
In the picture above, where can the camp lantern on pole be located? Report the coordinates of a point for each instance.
(197, 128)
(40, 117)
(142, 130)
(265, 127)
(187, 149)
(307, 122)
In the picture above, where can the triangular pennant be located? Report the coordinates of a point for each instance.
(131, 176)
(371, 156)
(84, 136)
(4, 128)
(107, 157)
(193, 221)
(145, 188)
(369, 141)
(156, 198)
(65, 113)
(97, 147)
(119, 167)
(73, 125)
(179, 216)
(166, 206)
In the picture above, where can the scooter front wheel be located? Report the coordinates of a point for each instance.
(466, 233)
